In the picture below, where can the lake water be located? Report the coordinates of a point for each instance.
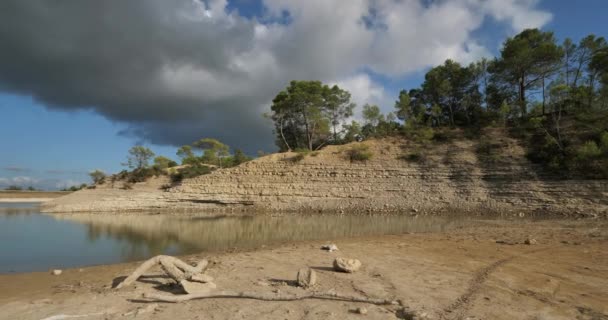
(30, 241)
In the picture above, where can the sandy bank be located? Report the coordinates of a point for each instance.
(30, 196)
(24, 200)
(460, 274)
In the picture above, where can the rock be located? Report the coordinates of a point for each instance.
(307, 277)
(361, 310)
(347, 265)
(330, 247)
(56, 272)
(197, 287)
(530, 241)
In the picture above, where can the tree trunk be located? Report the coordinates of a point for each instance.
(522, 96)
(175, 268)
(267, 297)
(543, 95)
(283, 135)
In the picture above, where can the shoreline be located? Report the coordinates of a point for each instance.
(24, 200)
(446, 275)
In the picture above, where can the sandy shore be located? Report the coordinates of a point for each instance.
(461, 274)
(24, 200)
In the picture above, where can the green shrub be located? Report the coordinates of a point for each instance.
(588, 150)
(297, 158)
(98, 176)
(142, 174)
(415, 156)
(604, 142)
(192, 171)
(359, 152)
(420, 134)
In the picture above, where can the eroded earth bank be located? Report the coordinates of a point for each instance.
(454, 176)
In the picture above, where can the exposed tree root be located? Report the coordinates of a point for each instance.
(266, 297)
(175, 268)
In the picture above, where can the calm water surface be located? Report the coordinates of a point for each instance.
(30, 241)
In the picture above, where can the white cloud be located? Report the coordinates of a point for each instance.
(363, 90)
(520, 14)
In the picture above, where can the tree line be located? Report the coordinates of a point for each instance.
(553, 96)
(200, 157)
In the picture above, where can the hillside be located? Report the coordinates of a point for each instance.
(456, 175)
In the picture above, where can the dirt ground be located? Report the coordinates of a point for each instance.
(482, 272)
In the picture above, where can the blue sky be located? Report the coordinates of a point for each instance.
(51, 145)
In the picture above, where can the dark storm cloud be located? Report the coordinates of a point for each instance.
(132, 61)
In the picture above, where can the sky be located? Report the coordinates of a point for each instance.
(83, 81)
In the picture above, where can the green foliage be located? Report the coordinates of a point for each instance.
(297, 158)
(239, 157)
(351, 131)
(190, 171)
(75, 188)
(604, 142)
(526, 58)
(13, 188)
(419, 134)
(162, 162)
(306, 111)
(552, 97)
(359, 153)
(588, 151)
(213, 151)
(415, 156)
(139, 157)
(143, 174)
(97, 176)
(185, 153)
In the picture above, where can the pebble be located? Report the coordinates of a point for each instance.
(330, 247)
(56, 272)
(361, 310)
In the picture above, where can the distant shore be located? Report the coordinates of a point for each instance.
(30, 196)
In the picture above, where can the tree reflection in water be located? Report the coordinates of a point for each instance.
(145, 235)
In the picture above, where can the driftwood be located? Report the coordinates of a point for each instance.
(265, 297)
(175, 268)
(186, 275)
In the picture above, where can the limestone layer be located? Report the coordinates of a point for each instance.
(400, 177)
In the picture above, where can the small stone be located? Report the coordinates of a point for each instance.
(361, 310)
(530, 241)
(330, 247)
(347, 265)
(56, 272)
(307, 277)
